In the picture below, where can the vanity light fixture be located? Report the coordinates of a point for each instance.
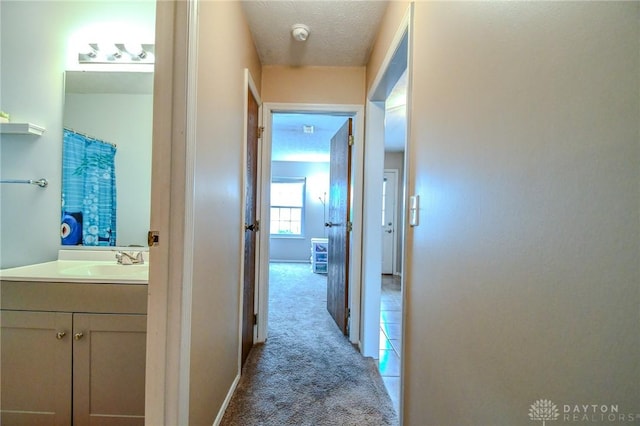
(116, 53)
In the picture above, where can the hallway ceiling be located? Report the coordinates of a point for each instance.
(342, 33)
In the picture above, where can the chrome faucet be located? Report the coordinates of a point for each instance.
(129, 257)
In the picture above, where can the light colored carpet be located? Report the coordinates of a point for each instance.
(307, 373)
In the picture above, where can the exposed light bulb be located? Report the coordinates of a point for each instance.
(88, 50)
(110, 49)
(135, 49)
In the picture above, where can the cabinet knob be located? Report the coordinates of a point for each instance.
(60, 334)
(78, 336)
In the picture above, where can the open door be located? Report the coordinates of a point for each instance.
(339, 226)
(251, 227)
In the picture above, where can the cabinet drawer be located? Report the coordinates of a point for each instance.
(74, 297)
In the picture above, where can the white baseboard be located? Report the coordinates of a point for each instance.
(288, 261)
(225, 404)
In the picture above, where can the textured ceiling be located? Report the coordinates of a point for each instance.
(341, 32)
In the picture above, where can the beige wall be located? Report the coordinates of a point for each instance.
(314, 85)
(522, 278)
(220, 115)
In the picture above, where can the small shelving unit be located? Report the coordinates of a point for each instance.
(319, 255)
(21, 129)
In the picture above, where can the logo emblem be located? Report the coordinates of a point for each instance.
(543, 410)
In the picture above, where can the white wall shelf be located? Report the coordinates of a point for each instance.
(21, 129)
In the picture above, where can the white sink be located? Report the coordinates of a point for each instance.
(103, 270)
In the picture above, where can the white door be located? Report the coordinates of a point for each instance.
(389, 208)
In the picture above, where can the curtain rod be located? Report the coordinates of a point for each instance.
(90, 137)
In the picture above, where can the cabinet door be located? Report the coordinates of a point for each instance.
(109, 354)
(36, 368)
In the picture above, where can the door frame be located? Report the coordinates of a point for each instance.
(396, 60)
(250, 87)
(357, 111)
(391, 68)
(168, 329)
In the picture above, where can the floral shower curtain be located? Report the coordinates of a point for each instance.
(88, 191)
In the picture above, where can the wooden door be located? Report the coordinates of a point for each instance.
(339, 226)
(109, 357)
(251, 228)
(36, 368)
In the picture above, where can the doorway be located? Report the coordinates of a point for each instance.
(387, 121)
(280, 164)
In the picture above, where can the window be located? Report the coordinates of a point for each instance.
(287, 205)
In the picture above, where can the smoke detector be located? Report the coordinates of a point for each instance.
(300, 32)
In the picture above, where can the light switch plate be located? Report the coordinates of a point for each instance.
(414, 207)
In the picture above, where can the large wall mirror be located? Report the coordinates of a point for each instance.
(113, 111)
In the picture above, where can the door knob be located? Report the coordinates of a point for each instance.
(388, 231)
(331, 224)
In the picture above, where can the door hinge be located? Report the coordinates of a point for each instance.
(255, 319)
(347, 313)
(349, 226)
(260, 132)
(254, 227)
(351, 141)
(153, 238)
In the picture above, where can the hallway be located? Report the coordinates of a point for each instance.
(307, 373)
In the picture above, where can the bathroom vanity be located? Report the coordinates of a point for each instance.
(73, 346)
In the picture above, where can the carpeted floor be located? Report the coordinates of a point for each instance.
(307, 373)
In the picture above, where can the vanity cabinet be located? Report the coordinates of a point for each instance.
(72, 367)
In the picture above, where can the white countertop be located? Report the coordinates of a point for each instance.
(83, 266)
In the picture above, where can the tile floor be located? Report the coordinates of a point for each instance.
(390, 336)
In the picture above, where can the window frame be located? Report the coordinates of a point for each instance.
(296, 180)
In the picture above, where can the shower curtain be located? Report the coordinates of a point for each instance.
(88, 191)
